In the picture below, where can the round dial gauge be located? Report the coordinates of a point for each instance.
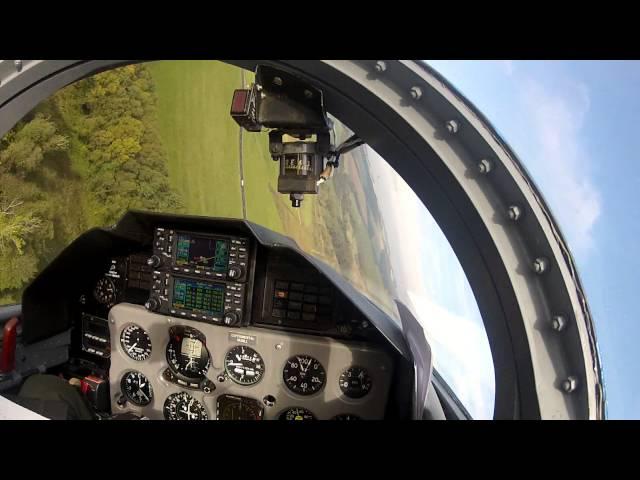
(346, 416)
(182, 406)
(296, 413)
(304, 375)
(230, 407)
(105, 291)
(187, 353)
(136, 342)
(355, 382)
(137, 388)
(244, 365)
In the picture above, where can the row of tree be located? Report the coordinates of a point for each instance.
(81, 159)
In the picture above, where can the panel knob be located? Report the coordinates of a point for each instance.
(154, 261)
(152, 304)
(234, 272)
(230, 319)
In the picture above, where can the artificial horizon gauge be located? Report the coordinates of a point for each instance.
(187, 352)
(182, 406)
(244, 365)
(135, 342)
(137, 388)
(303, 375)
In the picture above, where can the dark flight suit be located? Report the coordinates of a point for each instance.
(52, 397)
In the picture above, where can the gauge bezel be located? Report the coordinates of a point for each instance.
(182, 330)
(230, 375)
(124, 346)
(114, 294)
(128, 397)
(175, 395)
(348, 397)
(243, 401)
(312, 393)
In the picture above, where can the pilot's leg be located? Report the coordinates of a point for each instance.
(43, 393)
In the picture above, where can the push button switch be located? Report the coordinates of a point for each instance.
(297, 296)
(295, 305)
(279, 303)
(295, 301)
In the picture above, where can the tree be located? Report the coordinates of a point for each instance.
(29, 145)
(18, 264)
(82, 158)
(15, 227)
(114, 115)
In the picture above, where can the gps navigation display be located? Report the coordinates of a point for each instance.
(204, 252)
(198, 296)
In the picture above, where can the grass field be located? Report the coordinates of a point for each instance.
(203, 143)
(200, 137)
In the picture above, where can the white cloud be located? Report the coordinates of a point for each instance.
(544, 123)
(460, 354)
(558, 160)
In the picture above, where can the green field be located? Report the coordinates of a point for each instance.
(203, 143)
(204, 146)
(200, 137)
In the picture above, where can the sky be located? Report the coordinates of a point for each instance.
(430, 281)
(575, 126)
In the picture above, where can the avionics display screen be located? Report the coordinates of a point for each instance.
(212, 253)
(198, 296)
(95, 326)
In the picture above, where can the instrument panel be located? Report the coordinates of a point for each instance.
(164, 367)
